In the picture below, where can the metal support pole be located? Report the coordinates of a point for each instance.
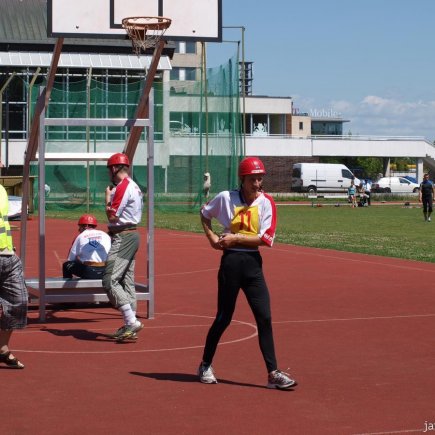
(29, 98)
(41, 180)
(7, 126)
(243, 92)
(88, 114)
(206, 109)
(32, 144)
(150, 210)
(242, 28)
(142, 108)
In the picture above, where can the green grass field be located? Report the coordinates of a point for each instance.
(385, 230)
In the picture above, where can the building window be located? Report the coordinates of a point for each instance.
(301, 125)
(190, 73)
(191, 47)
(183, 73)
(185, 47)
(175, 73)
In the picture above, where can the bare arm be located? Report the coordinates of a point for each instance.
(228, 240)
(110, 213)
(241, 240)
(212, 237)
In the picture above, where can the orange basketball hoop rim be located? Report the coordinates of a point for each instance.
(145, 32)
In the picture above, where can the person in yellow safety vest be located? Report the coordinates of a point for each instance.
(13, 292)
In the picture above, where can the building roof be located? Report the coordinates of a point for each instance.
(23, 27)
(82, 60)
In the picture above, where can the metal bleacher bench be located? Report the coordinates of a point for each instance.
(61, 290)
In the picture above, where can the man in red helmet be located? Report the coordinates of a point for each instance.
(248, 216)
(88, 254)
(124, 204)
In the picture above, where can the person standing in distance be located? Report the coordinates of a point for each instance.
(13, 291)
(88, 253)
(425, 196)
(248, 216)
(368, 191)
(124, 203)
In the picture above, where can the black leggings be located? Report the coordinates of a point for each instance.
(242, 270)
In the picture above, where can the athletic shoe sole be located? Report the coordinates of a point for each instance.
(282, 387)
(208, 382)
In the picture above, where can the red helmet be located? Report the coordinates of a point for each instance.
(251, 165)
(118, 159)
(87, 219)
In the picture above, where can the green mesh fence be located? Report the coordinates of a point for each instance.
(197, 130)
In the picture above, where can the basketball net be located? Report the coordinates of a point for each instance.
(145, 32)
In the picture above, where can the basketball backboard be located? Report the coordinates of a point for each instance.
(197, 20)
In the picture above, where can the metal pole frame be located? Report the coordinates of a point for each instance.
(41, 208)
(32, 144)
(150, 208)
(142, 110)
(132, 123)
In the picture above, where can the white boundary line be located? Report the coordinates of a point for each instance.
(254, 334)
(214, 269)
(391, 432)
(359, 260)
(335, 257)
(350, 319)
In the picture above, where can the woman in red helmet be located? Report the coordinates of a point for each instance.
(88, 254)
(248, 216)
(124, 203)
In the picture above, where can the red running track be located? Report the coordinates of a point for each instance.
(357, 332)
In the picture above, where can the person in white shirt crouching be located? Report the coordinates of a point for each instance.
(88, 254)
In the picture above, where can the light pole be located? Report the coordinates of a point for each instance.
(236, 150)
(242, 28)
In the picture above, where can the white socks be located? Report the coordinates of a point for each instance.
(128, 314)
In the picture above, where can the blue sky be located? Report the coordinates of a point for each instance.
(373, 61)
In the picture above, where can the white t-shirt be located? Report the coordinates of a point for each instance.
(126, 201)
(258, 218)
(90, 245)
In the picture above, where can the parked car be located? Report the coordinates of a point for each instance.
(412, 179)
(395, 185)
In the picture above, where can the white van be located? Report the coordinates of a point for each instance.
(321, 177)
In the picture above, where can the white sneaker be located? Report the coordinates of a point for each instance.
(206, 374)
(280, 380)
(428, 219)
